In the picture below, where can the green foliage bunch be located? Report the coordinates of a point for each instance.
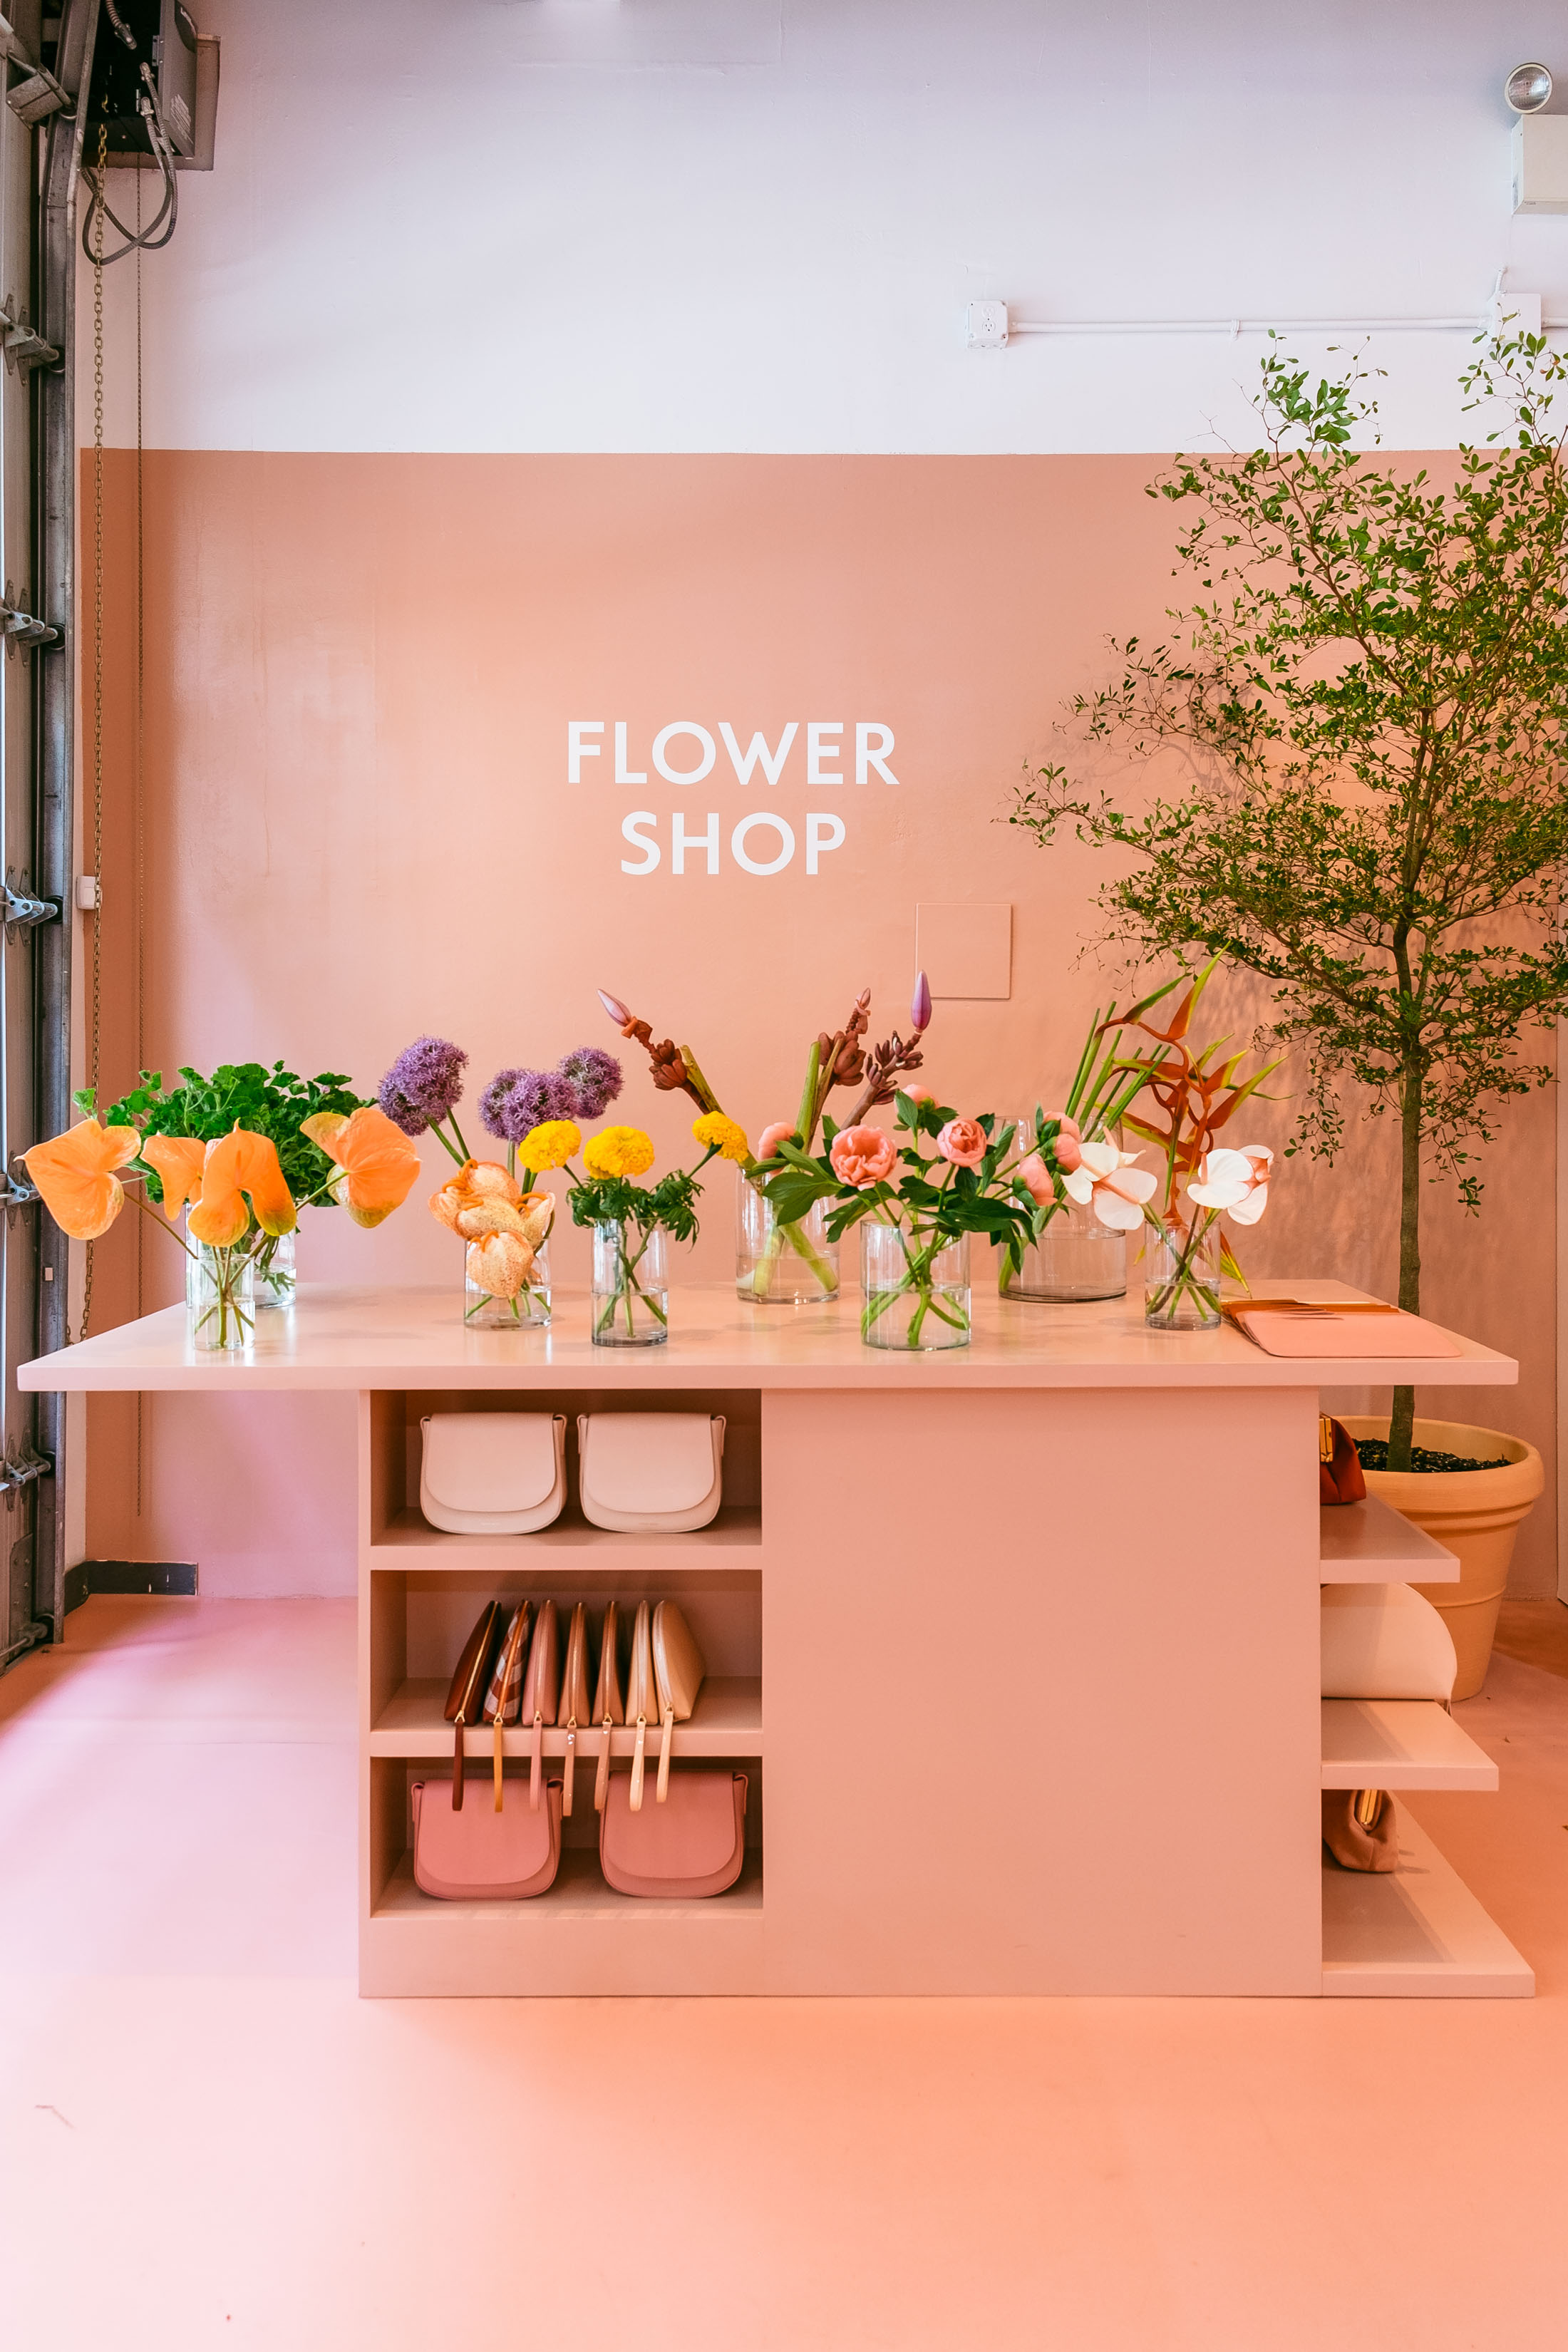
(617, 1201)
(270, 1102)
(1370, 688)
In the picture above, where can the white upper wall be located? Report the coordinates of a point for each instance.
(716, 225)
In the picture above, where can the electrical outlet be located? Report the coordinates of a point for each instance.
(986, 326)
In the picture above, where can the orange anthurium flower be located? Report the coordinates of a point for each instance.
(239, 1164)
(75, 1173)
(178, 1160)
(374, 1165)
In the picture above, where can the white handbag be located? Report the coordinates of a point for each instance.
(1385, 1641)
(650, 1473)
(492, 1474)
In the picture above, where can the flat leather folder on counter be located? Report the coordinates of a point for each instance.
(1305, 1327)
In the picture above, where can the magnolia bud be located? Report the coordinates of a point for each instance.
(920, 1006)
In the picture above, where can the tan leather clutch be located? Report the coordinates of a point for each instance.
(609, 1707)
(541, 1693)
(464, 1700)
(504, 1696)
(678, 1669)
(573, 1713)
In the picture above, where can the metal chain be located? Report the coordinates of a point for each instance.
(94, 1030)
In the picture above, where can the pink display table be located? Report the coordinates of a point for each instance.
(1018, 1643)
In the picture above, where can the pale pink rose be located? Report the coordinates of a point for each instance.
(1068, 1147)
(1036, 1179)
(772, 1137)
(919, 1094)
(862, 1156)
(962, 1143)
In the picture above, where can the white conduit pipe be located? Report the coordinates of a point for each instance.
(1234, 327)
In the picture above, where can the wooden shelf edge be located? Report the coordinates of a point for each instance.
(1415, 1933)
(1379, 1743)
(727, 1721)
(733, 1540)
(1371, 1543)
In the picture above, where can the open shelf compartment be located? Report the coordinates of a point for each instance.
(1371, 1543)
(1415, 1933)
(1399, 1743)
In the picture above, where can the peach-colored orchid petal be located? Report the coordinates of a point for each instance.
(1107, 1178)
(1235, 1183)
(75, 1173)
(375, 1166)
(499, 1265)
(538, 1212)
(482, 1217)
(239, 1163)
(178, 1160)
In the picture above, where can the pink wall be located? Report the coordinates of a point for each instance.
(357, 826)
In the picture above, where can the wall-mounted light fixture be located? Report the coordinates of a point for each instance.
(1540, 143)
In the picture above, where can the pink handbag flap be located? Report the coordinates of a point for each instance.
(648, 1462)
(1319, 1331)
(692, 1836)
(489, 1461)
(478, 1853)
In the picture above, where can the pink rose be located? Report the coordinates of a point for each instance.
(1036, 1179)
(772, 1137)
(1065, 1149)
(920, 1093)
(962, 1143)
(862, 1156)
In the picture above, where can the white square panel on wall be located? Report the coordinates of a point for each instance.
(965, 949)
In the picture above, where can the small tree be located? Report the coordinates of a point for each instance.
(1372, 691)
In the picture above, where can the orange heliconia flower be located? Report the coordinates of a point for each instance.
(374, 1165)
(75, 1173)
(237, 1163)
(178, 1160)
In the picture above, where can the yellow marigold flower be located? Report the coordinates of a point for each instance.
(550, 1145)
(620, 1151)
(725, 1136)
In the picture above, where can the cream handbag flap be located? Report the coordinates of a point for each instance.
(649, 1464)
(493, 1462)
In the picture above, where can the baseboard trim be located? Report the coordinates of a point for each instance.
(172, 1578)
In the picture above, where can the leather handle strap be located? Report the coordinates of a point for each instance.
(637, 1753)
(498, 1760)
(602, 1777)
(458, 1763)
(536, 1764)
(570, 1762)
(662, 1791)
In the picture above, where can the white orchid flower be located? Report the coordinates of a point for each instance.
(1116, 1188)
(1234, 1181)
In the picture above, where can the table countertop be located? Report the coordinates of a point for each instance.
(408, 1338)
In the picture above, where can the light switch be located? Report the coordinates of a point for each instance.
(966, 950)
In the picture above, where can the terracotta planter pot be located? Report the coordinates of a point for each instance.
(1475, 1514)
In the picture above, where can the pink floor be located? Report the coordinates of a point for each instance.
(208, 2140)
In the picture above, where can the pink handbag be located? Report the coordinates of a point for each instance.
(476, 1855)
(693, 1844)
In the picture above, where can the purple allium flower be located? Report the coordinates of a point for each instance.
(515, 1101)
(595, 1075)
(424, 1086)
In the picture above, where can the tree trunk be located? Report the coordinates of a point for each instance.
(1403, 1418)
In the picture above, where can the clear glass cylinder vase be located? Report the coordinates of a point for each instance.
(779, 1265)
(631, 1286)
(220, 1296)
(274, 1277)
(1075, 1258)
(526, 1308)
(915, 1288)
(1181, 1275)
